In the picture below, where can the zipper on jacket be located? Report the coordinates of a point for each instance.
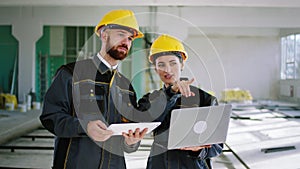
(108, 116)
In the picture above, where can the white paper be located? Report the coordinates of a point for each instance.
(125, 127)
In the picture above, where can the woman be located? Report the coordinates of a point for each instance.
(168, 56)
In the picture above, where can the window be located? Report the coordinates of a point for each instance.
(290, 57)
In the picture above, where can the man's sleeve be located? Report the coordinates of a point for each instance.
(130, 148)
(58, 115)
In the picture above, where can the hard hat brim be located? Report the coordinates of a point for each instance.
(136, 33)
(181, 55)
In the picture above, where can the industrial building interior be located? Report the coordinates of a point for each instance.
(246, 53)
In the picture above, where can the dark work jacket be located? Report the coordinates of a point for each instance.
(72, 101)
(162, 158)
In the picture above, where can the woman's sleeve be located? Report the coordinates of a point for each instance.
(148, 108)
(214, 151)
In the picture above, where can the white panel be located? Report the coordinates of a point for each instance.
(298, 92)
(56, 40)
(284, 90)
(245, 59)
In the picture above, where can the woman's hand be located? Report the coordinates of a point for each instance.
(183, 87)
(195, 148)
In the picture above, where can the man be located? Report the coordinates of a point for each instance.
(79, 104)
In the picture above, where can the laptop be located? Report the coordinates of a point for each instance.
(199, 126)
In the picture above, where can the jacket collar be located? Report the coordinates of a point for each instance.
(102, 68)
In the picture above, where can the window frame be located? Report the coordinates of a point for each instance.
(290, 57)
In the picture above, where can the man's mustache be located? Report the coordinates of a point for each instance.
(124, 46)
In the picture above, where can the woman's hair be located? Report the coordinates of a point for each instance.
(175, 53)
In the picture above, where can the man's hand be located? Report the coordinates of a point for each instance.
(195, 148)
(134, 137)
(97, 130)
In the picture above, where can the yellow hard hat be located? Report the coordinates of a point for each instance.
(123, 19)
(166, 43)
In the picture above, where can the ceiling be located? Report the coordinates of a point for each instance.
(225, 3)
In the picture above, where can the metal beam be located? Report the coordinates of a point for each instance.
(227, 3)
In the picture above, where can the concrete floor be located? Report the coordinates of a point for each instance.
(252, 128)
(43, 158)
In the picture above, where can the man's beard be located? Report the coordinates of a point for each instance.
(114, 53)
